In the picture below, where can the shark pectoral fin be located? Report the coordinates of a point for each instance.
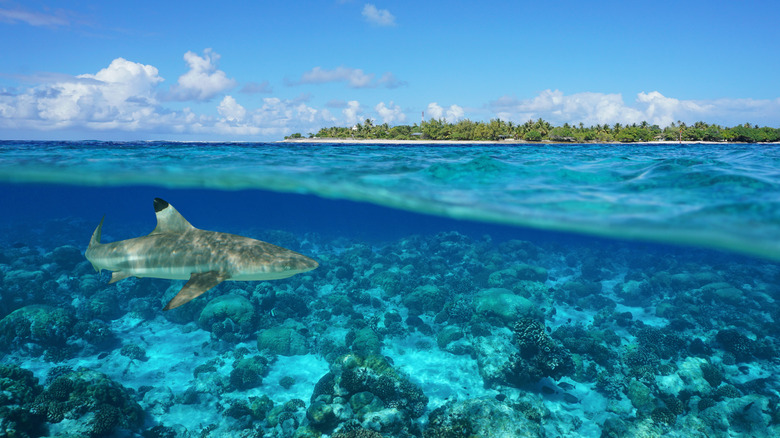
(118, 275)
(198, 284)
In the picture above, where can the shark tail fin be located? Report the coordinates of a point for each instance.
(95, 240)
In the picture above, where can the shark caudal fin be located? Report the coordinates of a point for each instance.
(98, 232)
(95, 240)
(168, 219)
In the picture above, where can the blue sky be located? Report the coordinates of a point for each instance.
(257, 70)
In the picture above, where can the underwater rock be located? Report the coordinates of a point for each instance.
(366, 342)
(102, 305)
(364, 404)
(252, 409)
(321, 416)
(367, 389)
(482, 417)
(447, 335)
(492, 351)
(47, 327)
(507, 278)
(89, 284)
(234, 307)
(18, 413)
(665, 343)
(722, 292)
(539, 355)
(391, 283)
(573, 290)
(691, 371)
(633, 293)
(736, 343)
(283, 341)
(97, 333)
(591, 343)
(287, 382)
(504, 305)
(248, 372)
(133, 352)
(93, 404)
(426, 298)
(685, 281)
(159, 400)
(67, 257)
(640, 395)
(228, 317)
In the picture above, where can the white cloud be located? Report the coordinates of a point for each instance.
(122, 101)
(354, 77)
(122, 93)
(599, 108)
(203, 81)
(230, 110)
(352, 113)
(390, 113)
(451, 114)
(122, 98)
(379, 17)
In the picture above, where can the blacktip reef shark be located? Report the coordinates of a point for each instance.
(178, 251)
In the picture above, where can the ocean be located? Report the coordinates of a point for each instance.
(462, 290)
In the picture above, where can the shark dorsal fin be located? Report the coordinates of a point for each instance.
(168, 219)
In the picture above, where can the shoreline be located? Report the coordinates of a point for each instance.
(491, 142)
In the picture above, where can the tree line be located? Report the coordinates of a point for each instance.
(541, 130)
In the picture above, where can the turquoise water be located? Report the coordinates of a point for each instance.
(466, 290)
(721, 196)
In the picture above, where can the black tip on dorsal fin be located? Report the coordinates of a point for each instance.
(159, 205)
(168, 219)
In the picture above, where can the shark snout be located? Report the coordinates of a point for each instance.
(293, 264)
(304, 264)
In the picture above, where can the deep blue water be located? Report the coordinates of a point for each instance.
(563, 289)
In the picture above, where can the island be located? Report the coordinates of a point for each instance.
(498, 130)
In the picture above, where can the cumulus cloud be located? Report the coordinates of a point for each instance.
(122, 93)
(379, 17)
(451, 114)
(390, 113)
(203, 80)
(352, 113)
(354, 77)
(600, 108)
(275, 117)
(123, 98)
(230, 110)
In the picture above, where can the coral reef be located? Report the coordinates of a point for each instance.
(437, 335)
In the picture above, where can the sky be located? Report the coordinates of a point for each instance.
(260, 70)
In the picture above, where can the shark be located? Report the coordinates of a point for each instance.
(176, 250)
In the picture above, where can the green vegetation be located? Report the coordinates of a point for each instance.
(540, 130)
